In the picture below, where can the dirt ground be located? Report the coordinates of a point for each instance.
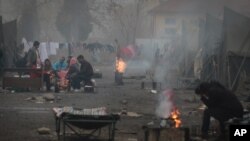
(20, 118)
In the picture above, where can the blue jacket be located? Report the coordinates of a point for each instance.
(59, 66)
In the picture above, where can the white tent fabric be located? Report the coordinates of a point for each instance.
(53, 47)
(26, 45)
(43, 51)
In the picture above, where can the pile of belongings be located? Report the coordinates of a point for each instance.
(74, 111)
(245, 120)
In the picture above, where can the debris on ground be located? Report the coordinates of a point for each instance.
(153, 91)
(43, 130)
(124, 102)
(49, 97)
(129, 114)
(3, 91)
(36, 99)
(42, 99)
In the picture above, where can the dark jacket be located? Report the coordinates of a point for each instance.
(221, 98)
(86, 69)
(73, 71)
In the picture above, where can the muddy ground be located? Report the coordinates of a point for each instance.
(20, 118)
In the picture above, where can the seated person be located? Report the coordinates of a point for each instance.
(60, 65)
(221, 104)
(47, 73)
(68, 61)
(85, 74)
(73, 70)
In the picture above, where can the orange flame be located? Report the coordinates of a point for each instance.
(120, 65)
(175, 115)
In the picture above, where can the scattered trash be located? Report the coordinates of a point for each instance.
(154, 91)
(30, 98)
(3, 91)
(130, 114)
(43, 130)
(124, 111)
(124, 102)
(37, 99)
(133, 114)
(49, 97)
(42, 99)
(202, 107)
(150, 123)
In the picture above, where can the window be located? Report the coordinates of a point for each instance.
(170, 21)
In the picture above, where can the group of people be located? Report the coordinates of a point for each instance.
(74, 70)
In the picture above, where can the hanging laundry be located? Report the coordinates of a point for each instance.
(26, 45)
(43, 51)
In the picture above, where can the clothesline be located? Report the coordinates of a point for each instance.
(46, 48)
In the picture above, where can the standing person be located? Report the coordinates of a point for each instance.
(60, 65)
(47, 73)
(85, 74)
(33, 56)
(221, 104)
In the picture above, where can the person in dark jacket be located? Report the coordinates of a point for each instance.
(221, 104)
(85, 74)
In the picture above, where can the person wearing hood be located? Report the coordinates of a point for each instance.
(221, 104)
(73, 70)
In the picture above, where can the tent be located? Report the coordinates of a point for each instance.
(236, 48)
(10, 42)
(211, 48)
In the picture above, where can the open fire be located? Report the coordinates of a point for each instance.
(120, 65)
(175, 115)
(167, 111)
(173, 120)
(119, 70)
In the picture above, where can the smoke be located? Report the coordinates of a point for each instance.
(165, 104)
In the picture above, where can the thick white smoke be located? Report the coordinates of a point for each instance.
(165, 104)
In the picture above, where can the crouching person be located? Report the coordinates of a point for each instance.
(221, 104)
(85, 74)
(73, 70)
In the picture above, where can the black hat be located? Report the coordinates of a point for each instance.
(36, 43)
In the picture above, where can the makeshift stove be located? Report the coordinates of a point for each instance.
(119, 70)
(166, 129)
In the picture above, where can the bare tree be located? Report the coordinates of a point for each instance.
(126, 16)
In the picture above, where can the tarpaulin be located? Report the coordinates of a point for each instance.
(211, 47)
(237, 42)
(10, 40)
(128, 51)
